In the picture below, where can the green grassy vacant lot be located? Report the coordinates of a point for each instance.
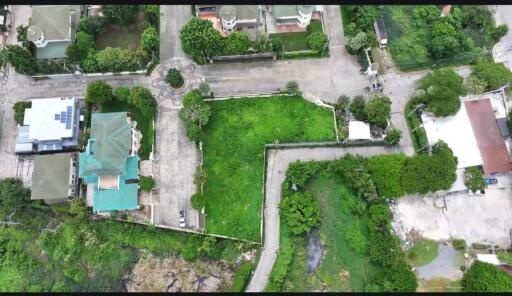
(298, 40)
(342, 269)
(123, 37)
(423, 252)
(233, 155)
(144, 124)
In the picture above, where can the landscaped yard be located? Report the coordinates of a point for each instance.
(298, 40)
(144, 124)
(122, 37)
(233, 155)
(342, 269)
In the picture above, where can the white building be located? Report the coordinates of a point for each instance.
(358, 130)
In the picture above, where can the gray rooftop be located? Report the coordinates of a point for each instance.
(241, 12)
(51, 175)
(57, 22)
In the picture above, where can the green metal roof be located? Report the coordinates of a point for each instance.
(51, 175)
(108, 147)
(240, 12)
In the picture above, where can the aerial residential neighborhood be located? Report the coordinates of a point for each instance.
(255, 148)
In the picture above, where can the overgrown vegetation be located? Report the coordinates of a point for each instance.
(485, 277)
(423, 252)
(147, 183)
(242, 276)
(19, 110)
(474, 179)
(233, 146)
(487, 76)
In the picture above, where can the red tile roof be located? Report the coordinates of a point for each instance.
(487, 133)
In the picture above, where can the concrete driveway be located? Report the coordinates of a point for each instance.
(172, 18)
(502, 51)
(476, 219)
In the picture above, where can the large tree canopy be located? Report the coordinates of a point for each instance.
(98, 92)
(237, 43)
(378, 111)
(12, 196)
(200, 39)
(484, 277)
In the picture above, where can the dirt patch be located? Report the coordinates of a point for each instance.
(174, 274)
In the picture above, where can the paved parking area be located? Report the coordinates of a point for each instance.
(476, 219)
(8, 132)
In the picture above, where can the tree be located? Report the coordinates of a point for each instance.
(115, 59)
(174, 78)
(19, 111)
(505, 257)
(194, 132)
(204, 89)
(77, 52)
(21, 59)
(398, 278)
(475, 85)
(150, 40)
(495, 75)
(152, 15)
(237, 43)
(98, 92)
(92, 25)
(386, 171)
(195, 109)
(300, 172)
(147, 183)
(393, 137)
(343, 103)
(78, 208)
(358, 42)
(442, 87)
(446, 40)
(356, 240)
(122, 93)
(474, 179)
(317, 40)
(200, 176)
(499, 32)
(198, 201)
(277, 44)
(13, 196)
(200, 39)
(120, 14)
(292, 88)
(485, 277)
(357, 108)
(378, 111)
(90, 63)
(300, 212)
(142, 98)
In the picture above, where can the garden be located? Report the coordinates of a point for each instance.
(234, 140)
(419, 37)
(309, 43)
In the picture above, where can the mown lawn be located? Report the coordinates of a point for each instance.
(298, 40)
(342, 269)
(144, 124)
(233, 155)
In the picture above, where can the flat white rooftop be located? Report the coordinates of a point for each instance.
(358, 130)
(50, 119)
(456, 131)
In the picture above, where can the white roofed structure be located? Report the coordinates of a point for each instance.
(50, 119)
(358, 130)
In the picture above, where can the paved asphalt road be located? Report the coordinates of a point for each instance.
(502, 51)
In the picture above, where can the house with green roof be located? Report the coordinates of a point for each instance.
(299, 15)
(110, 164)
(52, 28)
(54, 177)
(236, 17)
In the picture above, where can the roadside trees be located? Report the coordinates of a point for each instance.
(200, 39)
(195, 113)
(317, 40)
(237, 43)
(393, 137)
(98, 92)
(150, 40)
(142, 98)
(378, 111)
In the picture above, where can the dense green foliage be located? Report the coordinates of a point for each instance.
(233, 147)
(505, 257)
(147, 183)
(98, 92)
(413, 118)
(485, 277)
(386, 171)
(20, 58)
(242, 276)
(142, 98)
(78, 51)
(13, 196)
(474, 179)
(300, 212)
(237, 43)
(357, 107)
(198, 201)
(195, 113)
(299, 172)
(459, 244)
(92, 25)
(393, 137)
(493, 75)
(292, 88)
(122, 93)
(78, 208)
(356, 240)
(378, 111)
(429, 173)
(200, 39)
(317, 40)
(441, 90)
(152, 15)
(19, 110)
(174, 78)
(122, 15)
(150, 40)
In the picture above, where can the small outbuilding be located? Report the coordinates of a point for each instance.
(358, 130)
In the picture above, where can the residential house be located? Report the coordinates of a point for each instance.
(110, 164)
(299, 15)
(236, 17)
(52, 28)
(54, 177)
(50, 125)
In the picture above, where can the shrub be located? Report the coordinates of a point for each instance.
(195, 109)
(393, 137)
(495, 75)
(19, 111)
(198, 201)
(242, 275)
(292, 88)
(484, 277)
(174, 78)
(147, 183)
(499, 32)
(300, 212)
(459, 244)
(117, 60)
(358, 42)
(317, 40)
(357, 108)
(78, 208)
(505, 257)
(92, 25)
(98, 92)
(20, 58)
(237, 43)
(474, 179)
(150, 40)
(356, 240)
(300, 172)
(122, 93)
(378, 111)
(386, 172)
(13, 196)
(204, 89)
(398, 278)
(277, 44)
(142, 98)
(475, 85)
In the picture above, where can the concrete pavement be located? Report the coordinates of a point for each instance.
(172, 18)
(502, 51)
